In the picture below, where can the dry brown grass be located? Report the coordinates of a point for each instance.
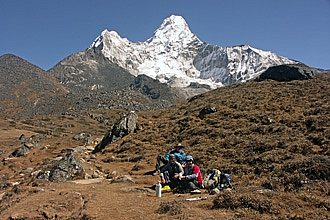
(272, 137)
(269, 135)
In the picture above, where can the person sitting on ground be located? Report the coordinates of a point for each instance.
(171, 173)
(179, 154)
(192, 179)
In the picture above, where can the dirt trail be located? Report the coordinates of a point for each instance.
(105, 200)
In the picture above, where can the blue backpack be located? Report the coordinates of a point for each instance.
(179, 156)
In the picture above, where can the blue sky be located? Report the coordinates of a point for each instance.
(44, 31)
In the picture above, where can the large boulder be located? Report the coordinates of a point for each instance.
(65, 168)
(121, 128)
(206, 111)
(287, 73)
(21, 151)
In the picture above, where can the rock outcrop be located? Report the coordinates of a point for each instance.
(287, 73)
(65, 168)
(121, 128)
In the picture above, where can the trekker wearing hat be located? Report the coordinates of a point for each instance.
(192, 179)
(180, 156)
(171, 172)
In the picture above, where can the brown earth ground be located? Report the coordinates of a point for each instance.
(272, 137)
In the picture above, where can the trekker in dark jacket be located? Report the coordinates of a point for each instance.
(171, 173)
(180, 156)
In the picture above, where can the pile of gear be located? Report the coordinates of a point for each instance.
(179, 173)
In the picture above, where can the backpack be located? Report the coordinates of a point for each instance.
(216, 179)
(224, 181)
(211, 181)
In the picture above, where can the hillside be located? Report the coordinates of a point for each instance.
(272, 137)
(27, 90)
(102, 83)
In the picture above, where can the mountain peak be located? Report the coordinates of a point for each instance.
(174, 21)
(173, 29)
(176, 56)
(13, 60)
(108, 36)
(12, 57)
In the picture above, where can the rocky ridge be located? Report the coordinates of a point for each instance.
(28, 90)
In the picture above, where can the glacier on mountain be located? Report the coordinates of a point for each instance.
(176, 56)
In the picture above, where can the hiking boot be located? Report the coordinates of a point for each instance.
(196, 191)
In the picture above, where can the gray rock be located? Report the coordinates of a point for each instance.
(23, 139)
(206, 111)
(87, 138)
(32, 141)
(35, 139)
(4, 182)
(122, 179)
(21, 151)
(287, 73)
(121, 128)
(68, 167)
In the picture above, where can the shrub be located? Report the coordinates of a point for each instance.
(170, 208)
(257, 202)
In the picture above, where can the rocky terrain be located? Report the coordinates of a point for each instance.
(26, 90)
(272, 137)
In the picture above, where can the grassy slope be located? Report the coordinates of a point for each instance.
(272, 137)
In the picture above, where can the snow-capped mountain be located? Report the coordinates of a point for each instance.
(227, 65)
(174, 55)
